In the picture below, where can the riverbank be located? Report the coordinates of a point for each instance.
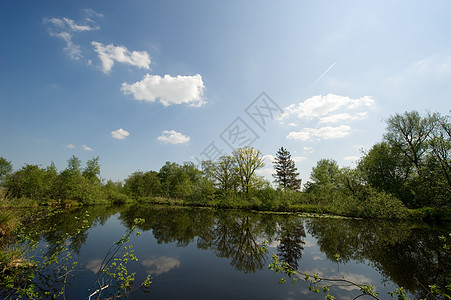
(12, 213)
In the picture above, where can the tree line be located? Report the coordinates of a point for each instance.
(409, 169)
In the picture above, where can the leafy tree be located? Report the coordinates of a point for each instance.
(5, 169)
(325, 179)
(286, 176)
(223, 172)
(409, 133)
(386, 169)
(247, 160)
(141, 184)
(92, 170)
(28, 182)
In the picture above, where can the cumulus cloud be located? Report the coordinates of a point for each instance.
(86, 148)
(70, 146)
(64, 28)
(120, 134)
(322, 133)
(109, 54)
(161, 265)
(173, 137)
(330, 108)
(169, 90)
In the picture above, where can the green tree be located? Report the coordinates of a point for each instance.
(286, 176)
(92, 170)
(388, 170)
(28, 182)
(223, 173)
(409, 133)
(247, 160)
(141, 184)
(5, 169)
(325, 179)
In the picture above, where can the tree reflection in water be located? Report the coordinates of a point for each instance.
(291, 241)
(409, 254)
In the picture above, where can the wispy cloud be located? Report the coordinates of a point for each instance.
(169, 90)
(109, 54)
(86, 148)
(64, 28)
(173, 137)
(322, 133)
(299, 158)
(69, 146)
(120, 134)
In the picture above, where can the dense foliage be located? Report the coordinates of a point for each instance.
(409, 169)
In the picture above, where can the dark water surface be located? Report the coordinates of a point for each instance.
(194, 253)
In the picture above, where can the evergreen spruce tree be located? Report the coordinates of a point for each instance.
(286, 176)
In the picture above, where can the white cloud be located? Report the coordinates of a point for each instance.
(109, 54)
(173, 137)
(308, 149)
(268, 159)
(299, 158)
(323, 106)
(337, 118)
(120, 134)
(64, 29)
(322, 133)
(292, 124)
(169, 90)
(70, 146)
(75, 27)
(86, 148)
(161, 265)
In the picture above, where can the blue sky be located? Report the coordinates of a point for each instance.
(139, 83)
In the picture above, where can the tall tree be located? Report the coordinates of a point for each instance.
(92, 170)
(409, 133)
(286, 176)
(247, 160)
(5, 168)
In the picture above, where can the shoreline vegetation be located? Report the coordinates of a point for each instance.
(405, 176)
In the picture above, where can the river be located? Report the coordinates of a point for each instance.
(196, 253)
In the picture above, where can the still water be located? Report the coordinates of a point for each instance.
(194, 253)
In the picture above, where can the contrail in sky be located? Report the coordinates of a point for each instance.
(322, 75)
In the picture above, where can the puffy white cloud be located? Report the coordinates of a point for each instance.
(70, 146)
(120, 134)
(109, 54)
(329, 105)
(173, 137)
(169, 90)
(86, 148)
(326, 132)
